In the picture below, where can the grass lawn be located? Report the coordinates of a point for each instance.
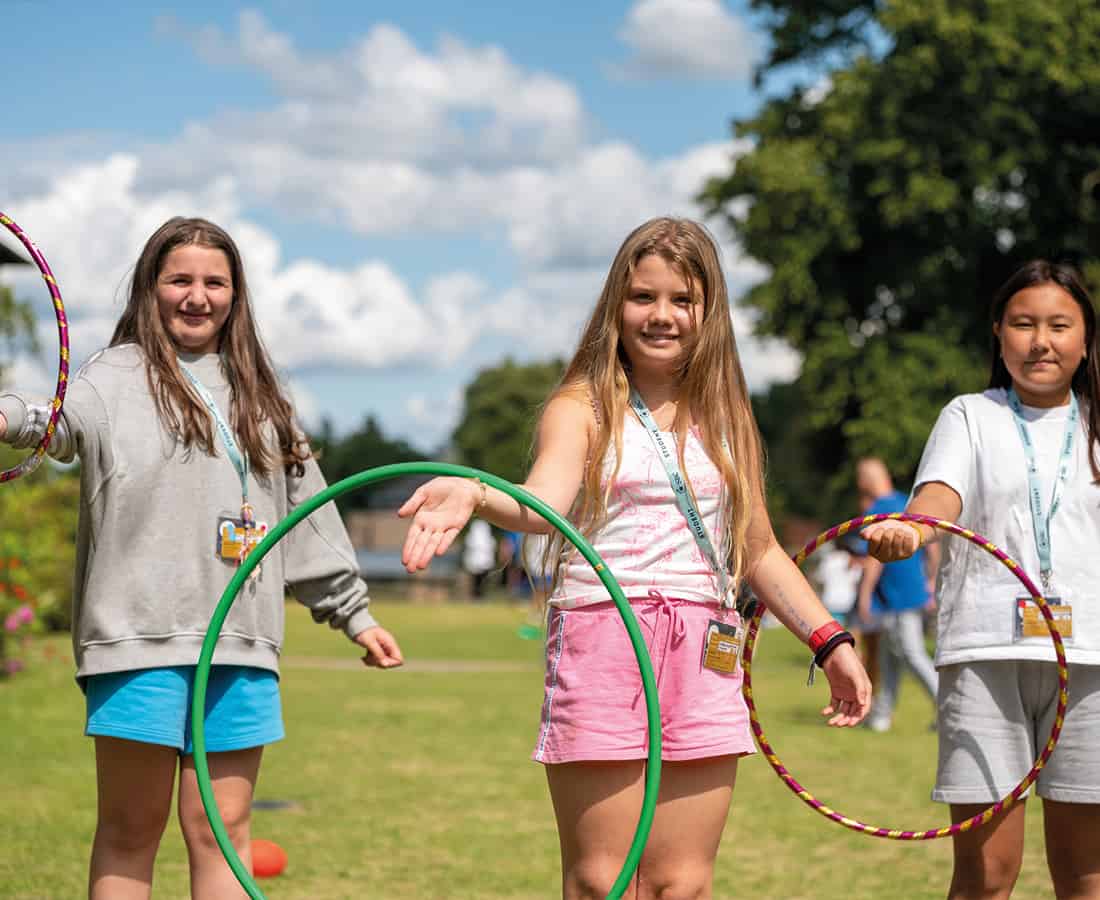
(416, 785)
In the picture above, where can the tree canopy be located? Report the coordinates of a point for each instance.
(950, 143)
(501, 408)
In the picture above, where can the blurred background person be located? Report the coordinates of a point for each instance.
(896, 594)
(479, 553)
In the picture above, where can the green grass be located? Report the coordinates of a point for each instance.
(417, 784)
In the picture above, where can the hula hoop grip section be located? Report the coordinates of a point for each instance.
(381, 473)
(895, 833)
(31, 463)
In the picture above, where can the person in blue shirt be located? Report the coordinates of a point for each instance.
(896, 594)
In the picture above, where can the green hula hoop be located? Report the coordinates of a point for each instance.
(381, 473)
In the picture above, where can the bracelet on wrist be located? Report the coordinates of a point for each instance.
(821, 635)
(918, 530)
(825, 650)
(484, 495)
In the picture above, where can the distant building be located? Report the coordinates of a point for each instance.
(378, 536)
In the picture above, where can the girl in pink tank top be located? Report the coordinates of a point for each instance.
(649, 446)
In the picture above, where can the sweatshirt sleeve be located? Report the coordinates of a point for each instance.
(82, 428)
(320, 562)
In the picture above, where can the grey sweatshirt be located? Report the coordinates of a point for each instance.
(147, 574)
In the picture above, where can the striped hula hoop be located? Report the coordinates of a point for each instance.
(899, 834)
(31, 463)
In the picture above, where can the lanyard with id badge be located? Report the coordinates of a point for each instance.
(1027, 620)
(722, 645)
(234, 537)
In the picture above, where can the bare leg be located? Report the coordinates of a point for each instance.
(987, 859)
(597, 807)
(1072, 832)
(233, 776)
(134, 796)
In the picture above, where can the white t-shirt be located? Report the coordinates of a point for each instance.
(839, 579)
(479, 549)
(975, 448)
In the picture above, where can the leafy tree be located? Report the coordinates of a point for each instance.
(362, 449)
(955, 141)
(17, 331)
(496, 433)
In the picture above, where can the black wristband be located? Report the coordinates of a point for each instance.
(841, 637)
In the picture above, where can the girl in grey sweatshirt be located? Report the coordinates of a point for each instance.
(188, 452)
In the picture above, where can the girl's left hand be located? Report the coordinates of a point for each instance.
(381, 647)
(851, 688)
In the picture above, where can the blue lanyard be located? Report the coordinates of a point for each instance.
(682, 495)
(1041, 523)
(239, 460)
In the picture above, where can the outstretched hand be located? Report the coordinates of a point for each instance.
(439, 509)
(850, 697)
(891, 540)
(381, 647)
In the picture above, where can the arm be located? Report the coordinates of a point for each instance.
(324, 575)
(780, 585)
(22, 425)
(891, 540)
(443, 506)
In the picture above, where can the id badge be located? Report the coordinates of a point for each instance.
(235, 540)
(1030, 623)
(722, 647)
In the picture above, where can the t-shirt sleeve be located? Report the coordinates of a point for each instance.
(949, 454)
(320, 561)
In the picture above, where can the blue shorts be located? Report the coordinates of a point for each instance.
(153, 706)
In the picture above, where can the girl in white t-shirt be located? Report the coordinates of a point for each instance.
(1018, 464)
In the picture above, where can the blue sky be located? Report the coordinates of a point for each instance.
(419, 189)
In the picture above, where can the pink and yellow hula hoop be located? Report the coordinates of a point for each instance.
(896, 833)
(31, 462)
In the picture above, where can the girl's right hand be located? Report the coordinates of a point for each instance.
(440, 509)
(891, 540)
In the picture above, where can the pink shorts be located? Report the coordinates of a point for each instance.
(594, 707)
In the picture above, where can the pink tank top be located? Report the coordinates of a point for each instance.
(646, 542)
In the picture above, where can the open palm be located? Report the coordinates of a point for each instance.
(440, 509)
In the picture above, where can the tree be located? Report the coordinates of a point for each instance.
(891, 200)
(496, 433)
(17, 324)
(362, 449)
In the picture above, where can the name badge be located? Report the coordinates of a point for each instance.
(235, 540)
(722, 647)
(1030, 623)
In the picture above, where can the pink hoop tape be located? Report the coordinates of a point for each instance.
(29, 464)
(899, 834)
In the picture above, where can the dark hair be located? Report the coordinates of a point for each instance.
(257, 396)
(1086, 380)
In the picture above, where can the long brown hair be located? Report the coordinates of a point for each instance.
(1086, 378)
(256, 395)
(711, 379)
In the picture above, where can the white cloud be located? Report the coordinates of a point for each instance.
(91, 224)
(383, 98)
(383, 138)
(687, 38)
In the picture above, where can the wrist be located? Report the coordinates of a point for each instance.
(841, 637)
(919, 529)
(821, 635)
(481, 495)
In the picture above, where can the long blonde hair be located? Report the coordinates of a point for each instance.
(257, 396)
(711, 379)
